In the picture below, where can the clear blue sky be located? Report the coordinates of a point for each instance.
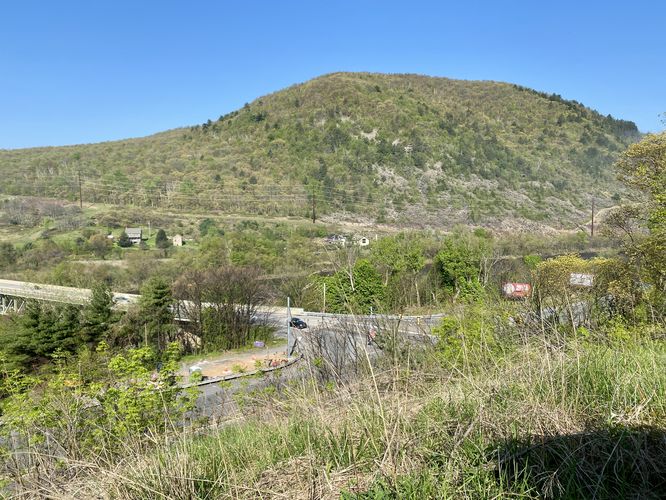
(87, 71)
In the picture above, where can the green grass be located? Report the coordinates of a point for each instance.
(585, 422)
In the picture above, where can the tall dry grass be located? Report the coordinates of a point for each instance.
(587, 420)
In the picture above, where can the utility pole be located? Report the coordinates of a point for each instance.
(80, 193)
(289, 346)
(314, 205)
(592, 227)
(324, 297)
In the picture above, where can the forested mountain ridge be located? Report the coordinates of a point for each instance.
(408, 149)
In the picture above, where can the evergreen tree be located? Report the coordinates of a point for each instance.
(42, 330)
(369, 292)
(457, 262)
(357, 292)
(8, 254)
(124, 240)
(97, 314)
(16, 337)
(156, 310)
(399, 259)
(161, 240)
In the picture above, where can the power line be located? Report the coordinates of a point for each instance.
(208, 196)
(314, 207)
(80, 193)
(235, 194)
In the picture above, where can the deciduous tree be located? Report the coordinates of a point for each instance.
(100, 245)
(643, 166)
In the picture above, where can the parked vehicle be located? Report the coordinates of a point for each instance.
(298, 323)
(257, 319)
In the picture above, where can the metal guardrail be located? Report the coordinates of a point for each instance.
(426, 318)
(234, 376)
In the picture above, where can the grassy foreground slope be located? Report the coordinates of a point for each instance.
(405, 148)
(585, 421)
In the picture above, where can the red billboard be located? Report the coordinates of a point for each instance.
(516, 290)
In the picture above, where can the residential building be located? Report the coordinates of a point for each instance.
(135, 234)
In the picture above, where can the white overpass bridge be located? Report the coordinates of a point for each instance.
(13, 295)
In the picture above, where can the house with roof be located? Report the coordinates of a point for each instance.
(135, 234)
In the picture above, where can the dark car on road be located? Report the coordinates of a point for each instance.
(298, 323)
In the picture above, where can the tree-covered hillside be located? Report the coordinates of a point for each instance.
(399, 148)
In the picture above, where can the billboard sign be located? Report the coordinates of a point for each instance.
(581, 279)
(516, 290)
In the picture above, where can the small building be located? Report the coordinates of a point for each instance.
(135, 234)
(177, 240)
(363, 241)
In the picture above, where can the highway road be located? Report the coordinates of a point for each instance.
(276, 315)
(337, 351)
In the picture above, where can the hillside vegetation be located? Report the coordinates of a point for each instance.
(405, 149)
(561, 394)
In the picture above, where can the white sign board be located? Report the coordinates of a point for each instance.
(580, 279)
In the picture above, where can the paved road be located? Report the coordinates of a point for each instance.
(274, 315)
(336, 349)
